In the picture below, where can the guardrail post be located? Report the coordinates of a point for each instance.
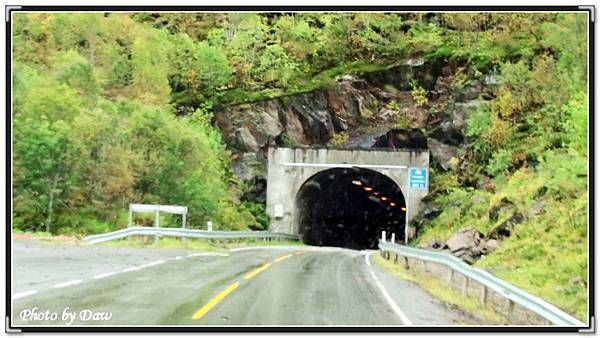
(510, 307)
(383, 237)
(465, 286)
(130, 218)
(484, 294)
(450, 274)
(157, 224)
(393, 237)
(183, 239)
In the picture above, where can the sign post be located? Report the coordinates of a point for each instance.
(418, 178)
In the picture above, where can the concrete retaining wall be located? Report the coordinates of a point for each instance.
(513, 312)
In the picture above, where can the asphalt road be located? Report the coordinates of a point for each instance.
(260, 286)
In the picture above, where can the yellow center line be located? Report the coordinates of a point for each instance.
(283, 258)
(257, 271)
(200, 313)
(215, 301)
(300, 253)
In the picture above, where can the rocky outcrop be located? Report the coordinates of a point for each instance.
(402, 138)
(467, 245)
(443, 154)
(366, 108)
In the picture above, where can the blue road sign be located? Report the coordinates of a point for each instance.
(418, 178)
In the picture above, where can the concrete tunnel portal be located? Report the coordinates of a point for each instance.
(345, 197)
(349, 207)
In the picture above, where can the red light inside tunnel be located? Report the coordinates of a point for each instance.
(357, 182)
(376, 193)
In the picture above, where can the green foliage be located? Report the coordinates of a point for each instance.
(500, 162)
(419, 94)
(75, 71)
(530, 147)
(339, 139)
(258, 210)
(150, 67)
(93, 131)
(199, 69)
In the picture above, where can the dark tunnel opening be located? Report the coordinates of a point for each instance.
(349, 207)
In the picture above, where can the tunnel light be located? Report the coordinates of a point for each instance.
(376, 193)
(368, 188)
(403, 209)
(392, 204)
(383, 198)
(357, 182)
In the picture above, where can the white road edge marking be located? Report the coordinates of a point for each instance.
(104, 275)
(199, 254)
(69, 283)
(387, 296)
(152, 263)
(133, 268)
(24, 294)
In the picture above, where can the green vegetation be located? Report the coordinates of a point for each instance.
(95, 127)
(528, 155)
(441, 291)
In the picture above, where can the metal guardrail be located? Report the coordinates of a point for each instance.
(527, 300)
(187, 233)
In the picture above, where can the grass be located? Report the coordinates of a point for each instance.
(300, 85)
(441, 291)
(195, 244)
(547, 253)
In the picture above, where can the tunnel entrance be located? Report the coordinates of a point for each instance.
(349, 207)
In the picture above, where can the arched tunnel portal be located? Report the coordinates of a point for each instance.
(349, 207)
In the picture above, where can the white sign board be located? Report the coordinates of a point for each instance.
(170, 209)
(157, 209)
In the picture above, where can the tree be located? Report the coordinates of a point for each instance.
(150, 67)
(77, 72)
(199, 69)
(43, 160)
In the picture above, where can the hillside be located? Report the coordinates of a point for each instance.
(179, 109)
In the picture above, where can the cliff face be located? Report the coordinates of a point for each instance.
(417, 94)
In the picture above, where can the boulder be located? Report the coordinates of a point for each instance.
(491, 245)
(402, 138)
(467, 245)
(445, 155)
